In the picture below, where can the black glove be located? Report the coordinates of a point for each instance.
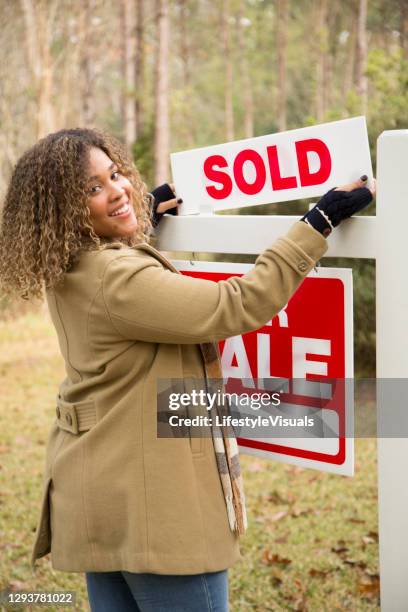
(335, 206)
(162, 194)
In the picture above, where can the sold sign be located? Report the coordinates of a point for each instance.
(275, 168)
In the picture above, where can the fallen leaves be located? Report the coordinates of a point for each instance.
(341, 548)
(370, 538)
(350, 553)
(298, 601)
(276, 498)
(270, 558)
(277, 564)
(369, 586)
(319, 573)
(355, 563)
(292, 512)
(277, 576)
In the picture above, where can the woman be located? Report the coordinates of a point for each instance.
(153, 522)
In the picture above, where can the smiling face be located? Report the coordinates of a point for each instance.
(110, 197)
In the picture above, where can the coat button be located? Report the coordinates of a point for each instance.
(68, 418)
(302, 266)
(57, 410)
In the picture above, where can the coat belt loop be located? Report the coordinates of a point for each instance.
(75, 418)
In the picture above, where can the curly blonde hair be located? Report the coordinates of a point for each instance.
(46, 221)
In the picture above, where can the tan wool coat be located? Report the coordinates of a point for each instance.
(115, 496)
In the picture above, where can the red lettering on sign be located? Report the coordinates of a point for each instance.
(259, 182)
(218, 177)
(303, 147)
(278, 181)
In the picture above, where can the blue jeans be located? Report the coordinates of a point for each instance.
(126, 592)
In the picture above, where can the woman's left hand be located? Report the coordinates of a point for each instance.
(338, 204)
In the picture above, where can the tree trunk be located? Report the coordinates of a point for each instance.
(362, 54)
(31, 32)
(127, 31)
(404, 28)
(188, 123)
(281, 42)
(7, 142)
(39, 19)
(87, 70)
(228, 87)
(45, 108)
(348, 80)
(161, 139)
(331, 56)
(321, 61)
(245, 75)
(139, 69)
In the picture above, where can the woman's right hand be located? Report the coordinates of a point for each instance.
(338, 204)
(165, 200)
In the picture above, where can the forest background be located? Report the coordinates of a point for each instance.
(166, 76)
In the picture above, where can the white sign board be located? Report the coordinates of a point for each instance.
(298, 344)
(291, 165)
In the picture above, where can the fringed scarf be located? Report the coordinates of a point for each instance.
(226, 450)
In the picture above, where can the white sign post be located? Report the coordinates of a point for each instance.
(355, 238)
(392, 362)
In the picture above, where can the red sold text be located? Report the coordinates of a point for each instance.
(217, 170)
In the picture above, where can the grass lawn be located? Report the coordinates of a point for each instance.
(312, 541)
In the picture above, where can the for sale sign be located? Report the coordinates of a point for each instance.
(306, 353)
(291, 165)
